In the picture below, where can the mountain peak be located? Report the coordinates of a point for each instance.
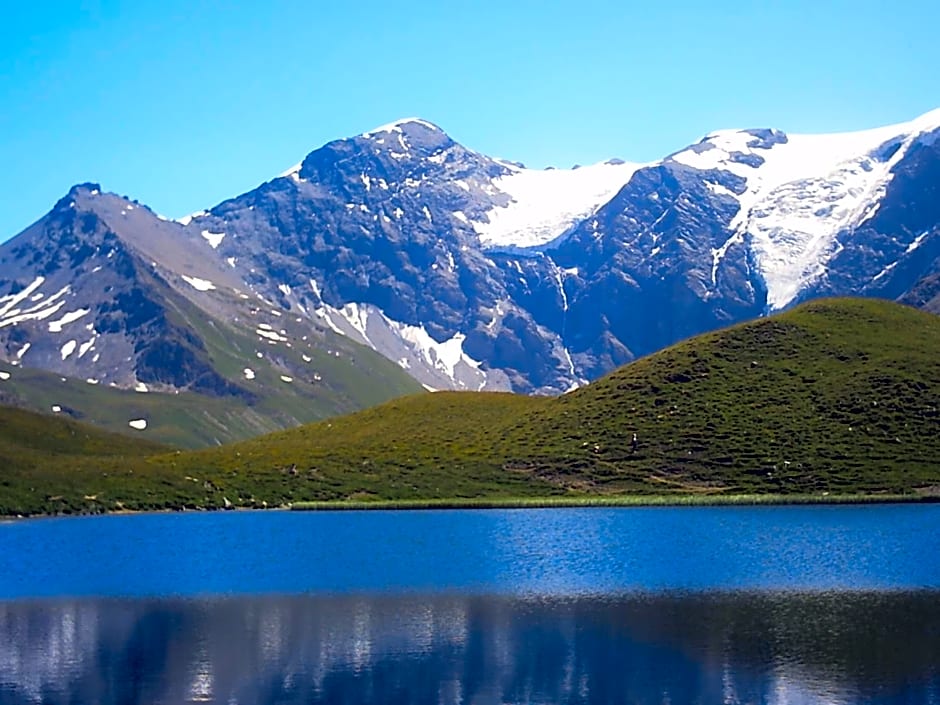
(403, 123)
(78, 190)
(88, 187)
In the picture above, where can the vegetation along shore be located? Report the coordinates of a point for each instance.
(833, 401)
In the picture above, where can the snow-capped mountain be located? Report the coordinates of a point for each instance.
(473, 272)
(802, 192)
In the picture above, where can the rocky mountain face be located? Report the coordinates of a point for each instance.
(104, 291)
(925, 294)
(472, 272)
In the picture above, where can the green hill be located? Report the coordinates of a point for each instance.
(837, 396)
(45, 459)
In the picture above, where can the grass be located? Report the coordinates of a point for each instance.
(835, 396)
(46, 460)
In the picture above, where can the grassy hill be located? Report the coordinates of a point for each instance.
(46, 458)
(837, 396)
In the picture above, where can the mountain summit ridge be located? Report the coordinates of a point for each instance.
(474, 272)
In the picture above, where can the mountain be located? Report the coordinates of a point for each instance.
(836, 396)
(540, 280)
(925, 294)
(118, 304)
(468, 271)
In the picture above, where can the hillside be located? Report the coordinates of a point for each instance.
(837, 396)
(45, 459)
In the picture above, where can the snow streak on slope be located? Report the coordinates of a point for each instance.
(412, 347)
(38, 308)
(546, 204)
(807, 190)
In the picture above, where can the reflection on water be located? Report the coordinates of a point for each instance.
(750, 647)
(781, 606)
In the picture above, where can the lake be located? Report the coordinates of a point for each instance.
(777, 605)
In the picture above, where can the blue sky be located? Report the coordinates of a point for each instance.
(182, 103)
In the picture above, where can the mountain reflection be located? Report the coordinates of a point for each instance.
(703, 648)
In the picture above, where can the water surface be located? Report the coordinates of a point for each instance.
(776, 605)
(516, 551)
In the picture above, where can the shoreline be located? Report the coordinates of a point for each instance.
(611, 501)
(623, 501)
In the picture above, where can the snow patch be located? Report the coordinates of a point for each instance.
(916, 242)
(366, 324)
(4, 375)
(37, 313)
(719, 253)
(141, 388)
(720, 190)
(395, 127)
(270, 335)
(68, 349)
(498, 313)
(443, 356)
(358, 318)
(545, 204)
(285, 378)
(13, 299)
(324, 314)
(138, 424)
(560, 283)
(214, 239)
(199, 284)
(71, 317)
(571, 370)
(249, 373)
(293, 173)
(187, 219)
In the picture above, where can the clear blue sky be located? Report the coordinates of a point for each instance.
(181, 103)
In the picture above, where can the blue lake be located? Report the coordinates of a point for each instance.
(837, 604)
